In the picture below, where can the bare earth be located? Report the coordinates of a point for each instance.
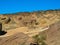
(20, 27)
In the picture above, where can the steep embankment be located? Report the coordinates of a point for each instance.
(53, 34)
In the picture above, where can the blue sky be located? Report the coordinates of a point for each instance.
(12, 6)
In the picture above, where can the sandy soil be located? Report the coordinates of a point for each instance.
(24, 30)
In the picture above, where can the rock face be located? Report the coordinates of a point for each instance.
(17, 39)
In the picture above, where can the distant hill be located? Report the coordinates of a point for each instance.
(30, 19)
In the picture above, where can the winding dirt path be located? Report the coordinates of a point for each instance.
(24, 30)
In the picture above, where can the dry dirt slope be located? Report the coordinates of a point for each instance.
(32, 20)
(53, 37)
(17, 39)
(53, 34)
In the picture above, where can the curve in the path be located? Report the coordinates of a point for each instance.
(24, 30)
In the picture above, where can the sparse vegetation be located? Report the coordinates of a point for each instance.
(31, 19)
(40, 39)
(17, 22)
(7, 20)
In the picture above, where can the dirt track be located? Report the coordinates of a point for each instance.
(24, 30)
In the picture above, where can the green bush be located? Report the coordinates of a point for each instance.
(40, 39)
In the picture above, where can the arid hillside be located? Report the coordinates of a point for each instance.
(52, 34)
(30, 19)
(31, 28)
(17, 39)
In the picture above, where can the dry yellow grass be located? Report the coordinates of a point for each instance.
(28, 23)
